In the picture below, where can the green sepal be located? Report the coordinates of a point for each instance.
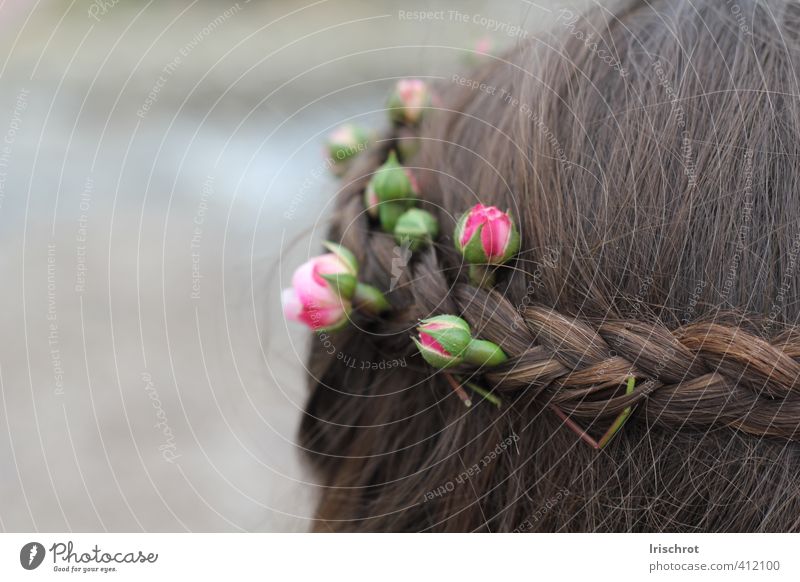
(452, 320)
(484, 353)
(389, 213)
(343, 283)
(513, 244)
(453, 339)
(391, 182)
(344, 152)
(434, 358)
(344, 255)
(418, 227)
(344, 322)
(473, 251)
(482, 275)
(398, 110)
(370, 298)
(459, 231)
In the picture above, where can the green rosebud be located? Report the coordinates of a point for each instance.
(389, 213)
(484, 353)
(392, 182)
(342, 280)
(418, 227)
(442, 340)
(409, 101)
(446, 340)
(371, 201)
(344, 143)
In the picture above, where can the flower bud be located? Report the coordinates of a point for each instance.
(325, 290)
(481, 51)
(486, 235)
(392, 182)
(418, 227)
(344, 143)
(484, 46)
(484, 353)
(371, 200)
(442, 340)
(389, 213)
(409, 101)
(321, 291)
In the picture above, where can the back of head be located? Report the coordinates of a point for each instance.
(649, 156)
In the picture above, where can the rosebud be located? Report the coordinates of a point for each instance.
(486, 235)
(446, 340)
(392, 182)
(480, 52)
(442, 340)
(408, 102)
(371, 200)
(418, 227)
(391, 191)
(344, 143)
(325, 289)
(484, 353)
(320, 294)
(484, 46)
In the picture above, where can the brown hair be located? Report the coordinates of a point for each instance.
(650, 157)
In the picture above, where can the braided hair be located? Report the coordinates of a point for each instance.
(653, 174)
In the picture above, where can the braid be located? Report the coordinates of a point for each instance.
(653, 287)
(700, 375)
(697, 376)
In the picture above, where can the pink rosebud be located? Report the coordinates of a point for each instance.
(314, 298)
(486, 234)
(413, 181)
(371, 201)
(442, 339)
(409, 101)
(431, 344)
(346, 141)
(484, 46)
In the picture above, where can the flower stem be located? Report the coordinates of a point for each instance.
(481, 275)
(459, 390)
(370, 299)
(485, 393)
(620, 420)
(612, 430)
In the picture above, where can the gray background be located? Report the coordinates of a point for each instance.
(90, 188)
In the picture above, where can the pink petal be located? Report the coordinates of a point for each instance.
(484, 45)
(328, 264)
(317, 318)
(495, 236)
(412, 95)
(311, 288)
(372, 197)
(343, 135)
(290, 302)
(474, 220)
(413, 180)
(430, 343)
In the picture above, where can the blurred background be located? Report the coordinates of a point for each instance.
(161, 175)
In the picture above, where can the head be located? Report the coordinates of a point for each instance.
(652, 173)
